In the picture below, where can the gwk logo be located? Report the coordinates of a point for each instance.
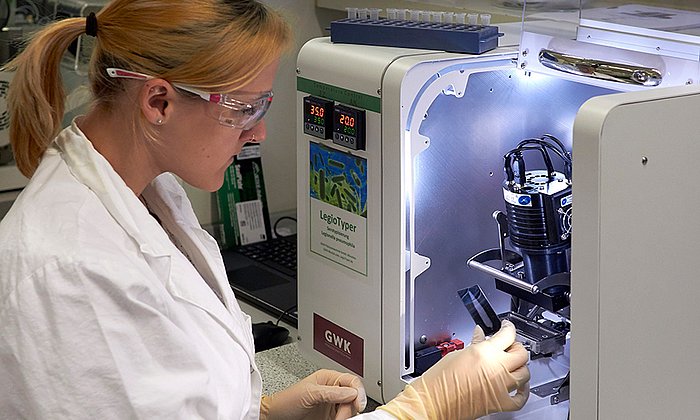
(337, 341)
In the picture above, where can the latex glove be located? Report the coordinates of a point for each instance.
(469, 383)
(325, 394)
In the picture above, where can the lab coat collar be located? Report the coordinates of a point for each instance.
(165, 195)
(94, 171)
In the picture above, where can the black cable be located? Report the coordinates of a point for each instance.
(274, 227)
(518, 152)
(291, 308)
(521, 168)
(544, 144)
(564, 155)
(563, 149)
(559, 143)
(507, 166)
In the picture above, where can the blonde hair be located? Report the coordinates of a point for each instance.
(215, 45)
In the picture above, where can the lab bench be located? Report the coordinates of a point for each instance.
(283, 366)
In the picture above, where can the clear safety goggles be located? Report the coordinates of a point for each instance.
(235, 113)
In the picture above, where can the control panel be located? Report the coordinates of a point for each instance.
(349, 127)
(317, 117)
(343, 124)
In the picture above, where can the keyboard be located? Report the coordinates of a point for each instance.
(277, 253)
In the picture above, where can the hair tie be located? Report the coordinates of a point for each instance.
(91, 25)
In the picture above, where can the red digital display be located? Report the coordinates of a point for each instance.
(314, 113)
(317, 111)
(347, 120)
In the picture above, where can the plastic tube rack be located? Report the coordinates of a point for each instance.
(450, 37)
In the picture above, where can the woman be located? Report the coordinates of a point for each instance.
(115, 303)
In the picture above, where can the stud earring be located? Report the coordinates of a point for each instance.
(159, 121)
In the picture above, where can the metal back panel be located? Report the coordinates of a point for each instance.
(458, 184)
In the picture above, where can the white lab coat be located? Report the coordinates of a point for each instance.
(101, 316)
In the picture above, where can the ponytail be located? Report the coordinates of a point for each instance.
(214, 45)
(36, 96)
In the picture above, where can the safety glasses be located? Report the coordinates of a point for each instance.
(234, 113)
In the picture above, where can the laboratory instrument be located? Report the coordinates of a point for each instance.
(460, 209)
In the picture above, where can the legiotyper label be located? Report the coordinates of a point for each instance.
(338, 207)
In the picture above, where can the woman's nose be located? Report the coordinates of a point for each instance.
(256, 134)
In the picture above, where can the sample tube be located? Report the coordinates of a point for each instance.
(459, 17)
(415, 15)
(352, 12)
(374, 13)
(425, 16)
(437, 17)
(362, 13)
(485, 19)
(448, 17)
(473, 18)
(401, 14)
(391, 14)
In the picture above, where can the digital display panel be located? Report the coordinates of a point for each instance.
(314, 114)
(318, 117)
(349, 127)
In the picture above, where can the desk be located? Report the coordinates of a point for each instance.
(284, 366)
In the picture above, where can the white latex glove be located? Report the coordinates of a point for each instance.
(469, 383)
(325, 394)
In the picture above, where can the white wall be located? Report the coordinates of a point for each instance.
(279, 150)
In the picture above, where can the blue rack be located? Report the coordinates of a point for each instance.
(450, 37)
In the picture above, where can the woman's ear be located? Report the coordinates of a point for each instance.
(155, 96)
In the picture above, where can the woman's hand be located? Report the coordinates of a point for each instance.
(469, 383)
(325, 394)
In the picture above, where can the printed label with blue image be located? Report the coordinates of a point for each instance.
(566, 200)
(338, 206)
(523, 200)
